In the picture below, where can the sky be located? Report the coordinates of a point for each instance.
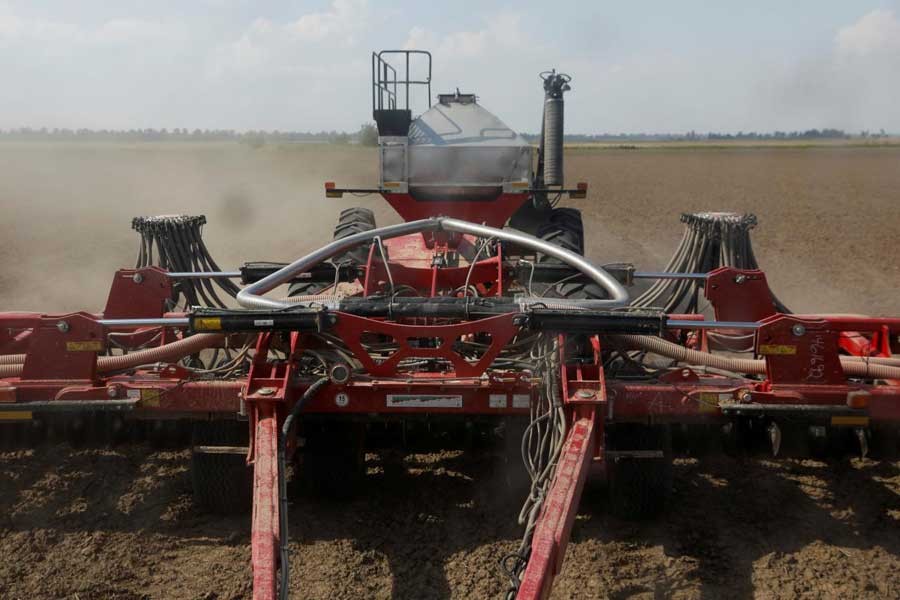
(304, 65)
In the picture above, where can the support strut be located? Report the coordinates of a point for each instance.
(551, 534)
(265, 533)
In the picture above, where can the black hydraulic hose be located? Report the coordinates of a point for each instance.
(229, 286)
(180, 248)
(709, 241)
(170, 258)
(188, 262)
(198, 264)
(310, 392)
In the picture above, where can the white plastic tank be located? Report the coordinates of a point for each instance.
(457, 150)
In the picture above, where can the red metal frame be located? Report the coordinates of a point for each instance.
(265, 534)
(802, 352)
(138, 293)
(554, 526)
(351, 328)
(494, 211)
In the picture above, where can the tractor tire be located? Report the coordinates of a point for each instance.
(885, 443)
(351, 221)
(640, 487)
(222, 483)
(564, 228)
(332, 464)
(514, 475)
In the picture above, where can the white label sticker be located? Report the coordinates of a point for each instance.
(133, 393)
(423, 401)
(497, 400)
(263, 322)
(341, 399)
(521, 400)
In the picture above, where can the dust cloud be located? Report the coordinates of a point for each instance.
(827, 234)
(68, 208)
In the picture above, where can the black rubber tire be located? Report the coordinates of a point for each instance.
(77, 429)
(564, 228)
(885, 444)
(332, 463)
(167, 433)
(514, 475)
(575, 291)
(640, 488)
(351, 221)
(222, 483)
(306, 288)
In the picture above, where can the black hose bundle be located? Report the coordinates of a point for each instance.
(175, 243)
(541, 447)
(711, 240)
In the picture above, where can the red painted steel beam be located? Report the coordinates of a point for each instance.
(551, 534)
(265, 532)
(494, 213)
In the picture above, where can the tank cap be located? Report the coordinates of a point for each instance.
(456, 98)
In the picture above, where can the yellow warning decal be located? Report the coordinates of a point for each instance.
(710, 401)
(150, 397)
(850, 421)
(391, 184)
(15, 415)
(88, 346)
(782, 349)
(208, 324)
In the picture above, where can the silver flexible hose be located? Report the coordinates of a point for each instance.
(251, 296)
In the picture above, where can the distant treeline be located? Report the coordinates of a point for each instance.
(367, 135)
(809, 134)
(177, 134)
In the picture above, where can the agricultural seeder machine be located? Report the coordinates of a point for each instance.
(478, 311)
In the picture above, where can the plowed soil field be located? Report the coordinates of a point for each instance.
(101, 522)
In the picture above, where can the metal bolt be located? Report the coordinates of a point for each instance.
(266, 391)
(818, 431)
(798, 329)
(685, 373)
(746, 396)
(112, 391)
(62, 326)
(740, 278)
(339, 373)
(137, 277)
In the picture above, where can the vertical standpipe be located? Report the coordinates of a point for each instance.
(554, 86)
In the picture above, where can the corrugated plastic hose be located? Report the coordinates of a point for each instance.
(166, 353)
(853, 366)
(875, 367)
